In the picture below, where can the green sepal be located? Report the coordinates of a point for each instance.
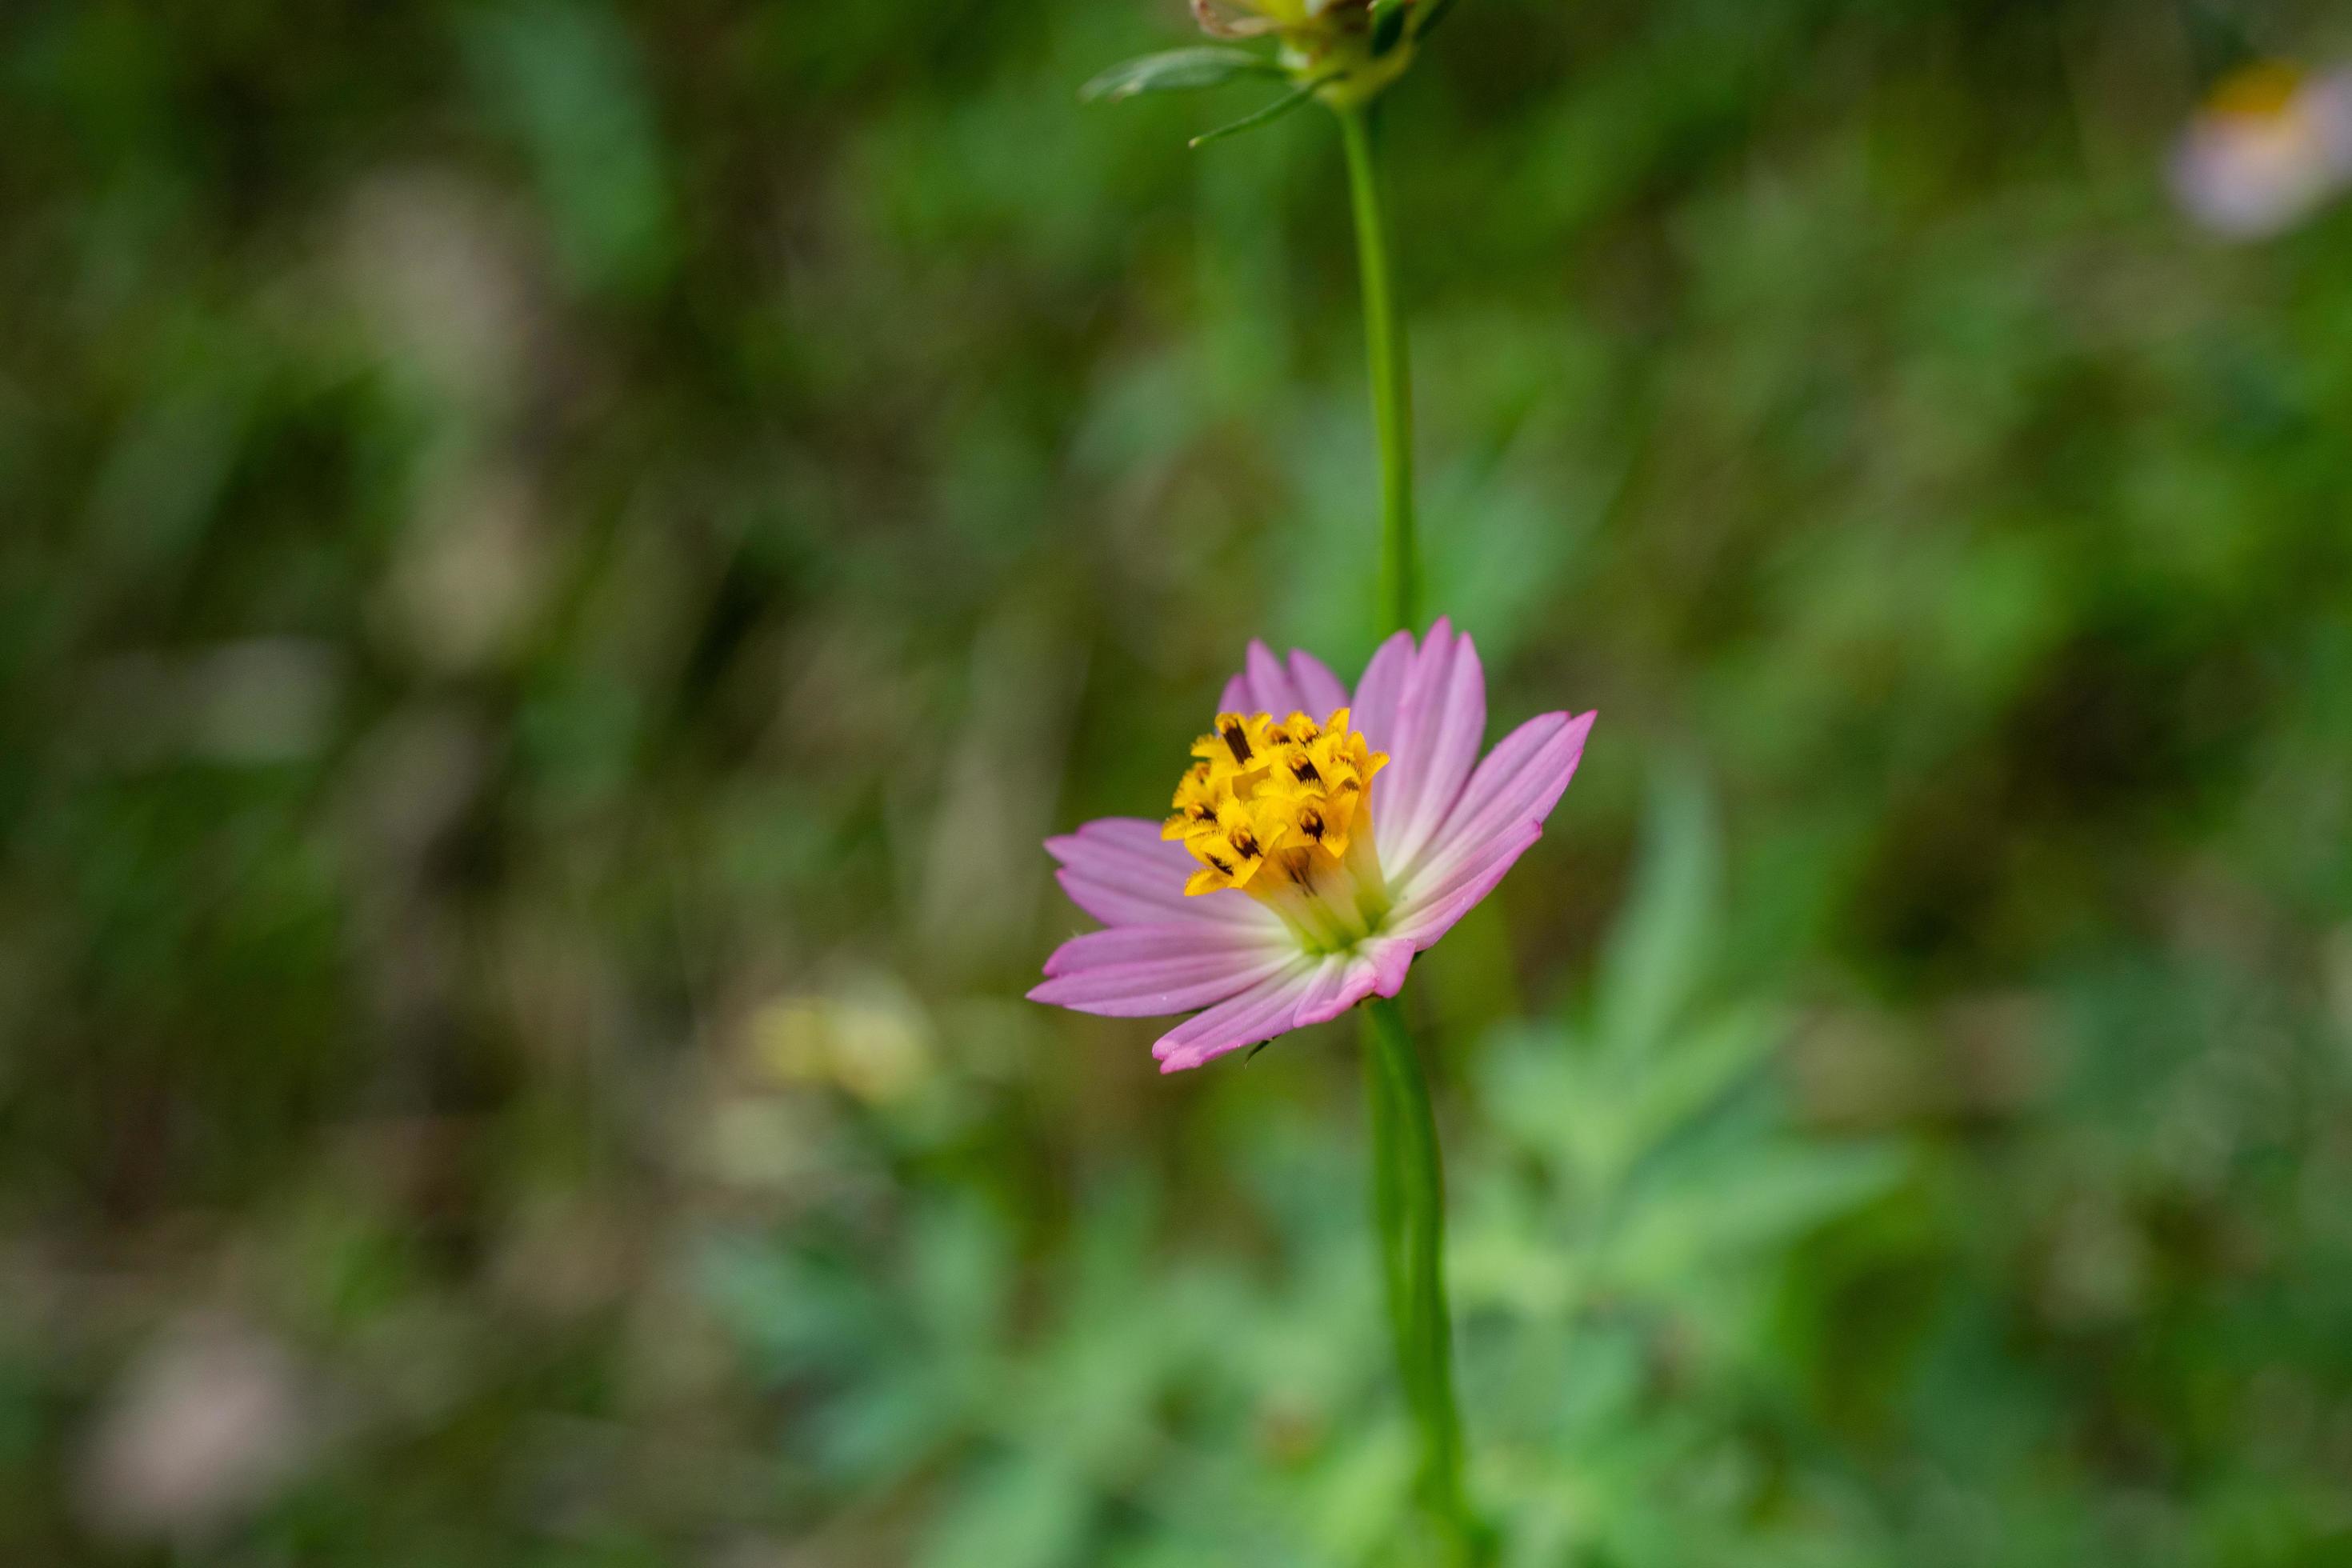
(1178, 71)
(1388, 25)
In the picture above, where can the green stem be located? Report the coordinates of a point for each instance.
(1408, 1174)
(1409, 1207)
(1384, 347)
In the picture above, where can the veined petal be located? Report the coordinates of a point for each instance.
(1266, 685)
(1181, 972)
(1520, 781)
(1439, 719)
(1324, 987)
(1378, 965)
(1144, 943)
(1430, 909)
(1317, 685)
(1381, 689)
(1120, 870)
(1260, 1013)
(1270, 684)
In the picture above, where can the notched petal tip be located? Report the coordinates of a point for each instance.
(1174, 1059)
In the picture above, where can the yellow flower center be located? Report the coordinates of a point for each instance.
(1282, 810)
(2265, 90)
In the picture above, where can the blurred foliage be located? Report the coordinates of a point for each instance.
(561, 557)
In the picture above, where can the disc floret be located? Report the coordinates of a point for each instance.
(1281, 810)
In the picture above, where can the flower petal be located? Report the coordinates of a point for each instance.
(1378, 693)
(1267, 686)
(1432, 910)
(1520, 781)
(1305, 991)
(1120, 870)
(1270, 689)
(1264, 686)
(1325, 988)
(1260, 1013)
(1144, 943)
(1317, 685)
(1379, 965)
(1137, 972)
(1441, 716)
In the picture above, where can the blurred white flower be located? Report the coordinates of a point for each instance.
(2269, 145)
(206, 1426)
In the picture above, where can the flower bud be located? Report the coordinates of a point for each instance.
(1348, 51)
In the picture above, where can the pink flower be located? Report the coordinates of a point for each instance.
(2269, 147)
(1307, 861)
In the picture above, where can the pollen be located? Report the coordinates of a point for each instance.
(1290, 793)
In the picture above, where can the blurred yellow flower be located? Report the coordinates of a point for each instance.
(872, 1041)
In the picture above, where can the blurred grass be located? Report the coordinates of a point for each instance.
(561, 559)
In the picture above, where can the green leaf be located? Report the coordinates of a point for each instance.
(1178, 71)
(1275, 110)
(1704, 1063)
(1744, 1203)
(1016, 1513)
(1658, 949)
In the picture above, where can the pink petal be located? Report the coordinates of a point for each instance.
(1441, 717)
(1378, 692)
(1321, 999)
(1379, 965)
(1430, 911)
(1135, 971)
(1120, 870)
(1389, 960)
(1262, 687)
(1432, 887)
(1520, 781)
(1267, 686)
(1144, 943)
(1270, 689)
(1305, 991)
(1260, 1013)
(1316, 684)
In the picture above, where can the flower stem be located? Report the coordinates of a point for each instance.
(1408, 1173)
(1384, 347)
(1409, 1209)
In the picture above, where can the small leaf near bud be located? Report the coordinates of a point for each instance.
(1272, 111)
(1178, 71)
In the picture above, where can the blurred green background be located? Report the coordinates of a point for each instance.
(561, 557)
